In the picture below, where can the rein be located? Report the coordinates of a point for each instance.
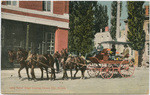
(42, 63)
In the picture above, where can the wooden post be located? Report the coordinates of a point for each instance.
(136, 58)
(118, 20)
(27, 38)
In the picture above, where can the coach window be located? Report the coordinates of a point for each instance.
(47, 6)
(12, 3)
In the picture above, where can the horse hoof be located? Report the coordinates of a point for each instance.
(47, 78)
(29, 79)
(66, 78)
(20, 77)
(35, 80)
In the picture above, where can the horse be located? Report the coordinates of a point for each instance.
(11, 55)
(72, 63)
(21, 58)
(57, 59)
(76, 63)
(42, 61)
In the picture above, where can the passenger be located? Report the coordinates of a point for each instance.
(113, 52)
(125, 53)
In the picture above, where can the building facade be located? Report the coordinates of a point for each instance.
(40, 26)
(102, 37)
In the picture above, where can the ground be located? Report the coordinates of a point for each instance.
(137, 84)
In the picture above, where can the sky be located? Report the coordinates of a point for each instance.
(124, 13)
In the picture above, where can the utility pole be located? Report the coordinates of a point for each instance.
(27, 37)
(118, 20)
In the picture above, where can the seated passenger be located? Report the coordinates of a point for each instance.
(113, 52)
(125, 53)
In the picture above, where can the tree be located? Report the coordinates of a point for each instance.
(136, 35)
(81, 25)
(114, 18)
(100, 17)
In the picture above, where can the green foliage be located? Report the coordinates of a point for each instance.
(136, 35)
(101, 17)
(81, 33)
(114, 18)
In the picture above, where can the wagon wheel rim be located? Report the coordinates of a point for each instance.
(127, 70)
(107, 71)
(92, 71)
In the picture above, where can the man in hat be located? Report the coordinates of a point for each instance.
(99, 48)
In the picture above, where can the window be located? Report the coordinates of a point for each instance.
(148, 49)
(46, 5)
(13, 3)
(51, 43)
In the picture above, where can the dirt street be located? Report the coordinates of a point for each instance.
(137, 84)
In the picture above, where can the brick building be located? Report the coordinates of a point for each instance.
(40, 26)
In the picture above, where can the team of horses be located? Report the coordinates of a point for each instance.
(32, 60)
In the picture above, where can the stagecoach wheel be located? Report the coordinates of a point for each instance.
(106, 71)
(92, 70)
(126, 70)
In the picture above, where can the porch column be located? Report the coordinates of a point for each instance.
(27, 37)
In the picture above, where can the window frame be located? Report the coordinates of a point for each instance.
(51, 6)
(17, 3)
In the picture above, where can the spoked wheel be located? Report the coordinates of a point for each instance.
(106, 71)
(126, 69)
(92, 70)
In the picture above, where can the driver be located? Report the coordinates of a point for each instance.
(99, 48)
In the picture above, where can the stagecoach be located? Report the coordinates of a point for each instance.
(102, 65)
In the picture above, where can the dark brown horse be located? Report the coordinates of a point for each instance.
(12, 56)
(20, 56)
(57, 58)
(21, 59)
(43, 62)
